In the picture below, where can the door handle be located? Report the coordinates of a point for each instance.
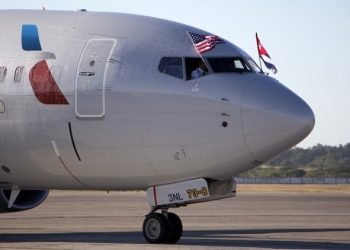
(86, 73)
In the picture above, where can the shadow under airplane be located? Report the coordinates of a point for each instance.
(231, 238)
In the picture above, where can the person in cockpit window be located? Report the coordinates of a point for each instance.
(199, 71)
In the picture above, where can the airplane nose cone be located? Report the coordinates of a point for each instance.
(273, 119)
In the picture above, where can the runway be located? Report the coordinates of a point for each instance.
(253, 220)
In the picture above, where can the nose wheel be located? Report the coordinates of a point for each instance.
(162, 228)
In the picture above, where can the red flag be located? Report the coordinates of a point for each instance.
(264, 56)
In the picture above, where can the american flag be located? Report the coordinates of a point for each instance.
(204, 43)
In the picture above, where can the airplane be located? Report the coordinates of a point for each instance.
(106, 101)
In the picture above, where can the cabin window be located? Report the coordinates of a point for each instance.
(171, 66)
(3, 71)
(18, 74)
(2, 107)
(228, 64)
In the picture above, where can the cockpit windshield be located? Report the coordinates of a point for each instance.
(253, 65)
(189, 68)
(228, 64)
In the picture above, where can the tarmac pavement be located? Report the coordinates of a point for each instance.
(253, 220)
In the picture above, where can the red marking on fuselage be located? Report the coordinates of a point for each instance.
(44, 85)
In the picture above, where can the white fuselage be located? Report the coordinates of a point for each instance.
(127, 125)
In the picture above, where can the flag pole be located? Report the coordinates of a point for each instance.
(257, 46)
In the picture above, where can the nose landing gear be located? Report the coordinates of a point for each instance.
(166, 227)
(162, 227)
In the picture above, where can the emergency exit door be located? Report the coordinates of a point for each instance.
(91, 76)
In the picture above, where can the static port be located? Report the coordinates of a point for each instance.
(224, 124)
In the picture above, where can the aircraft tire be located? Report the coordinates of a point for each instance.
(174, 228)
(155, 228)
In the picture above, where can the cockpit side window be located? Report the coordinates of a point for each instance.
(195, 68)
(228, 64)
(171, 66)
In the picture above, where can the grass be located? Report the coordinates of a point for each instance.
(241, 188)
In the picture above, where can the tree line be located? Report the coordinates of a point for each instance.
(317, 161)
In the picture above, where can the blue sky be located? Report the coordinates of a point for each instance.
(309, 42)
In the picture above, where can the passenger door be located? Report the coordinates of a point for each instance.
(91, 78)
